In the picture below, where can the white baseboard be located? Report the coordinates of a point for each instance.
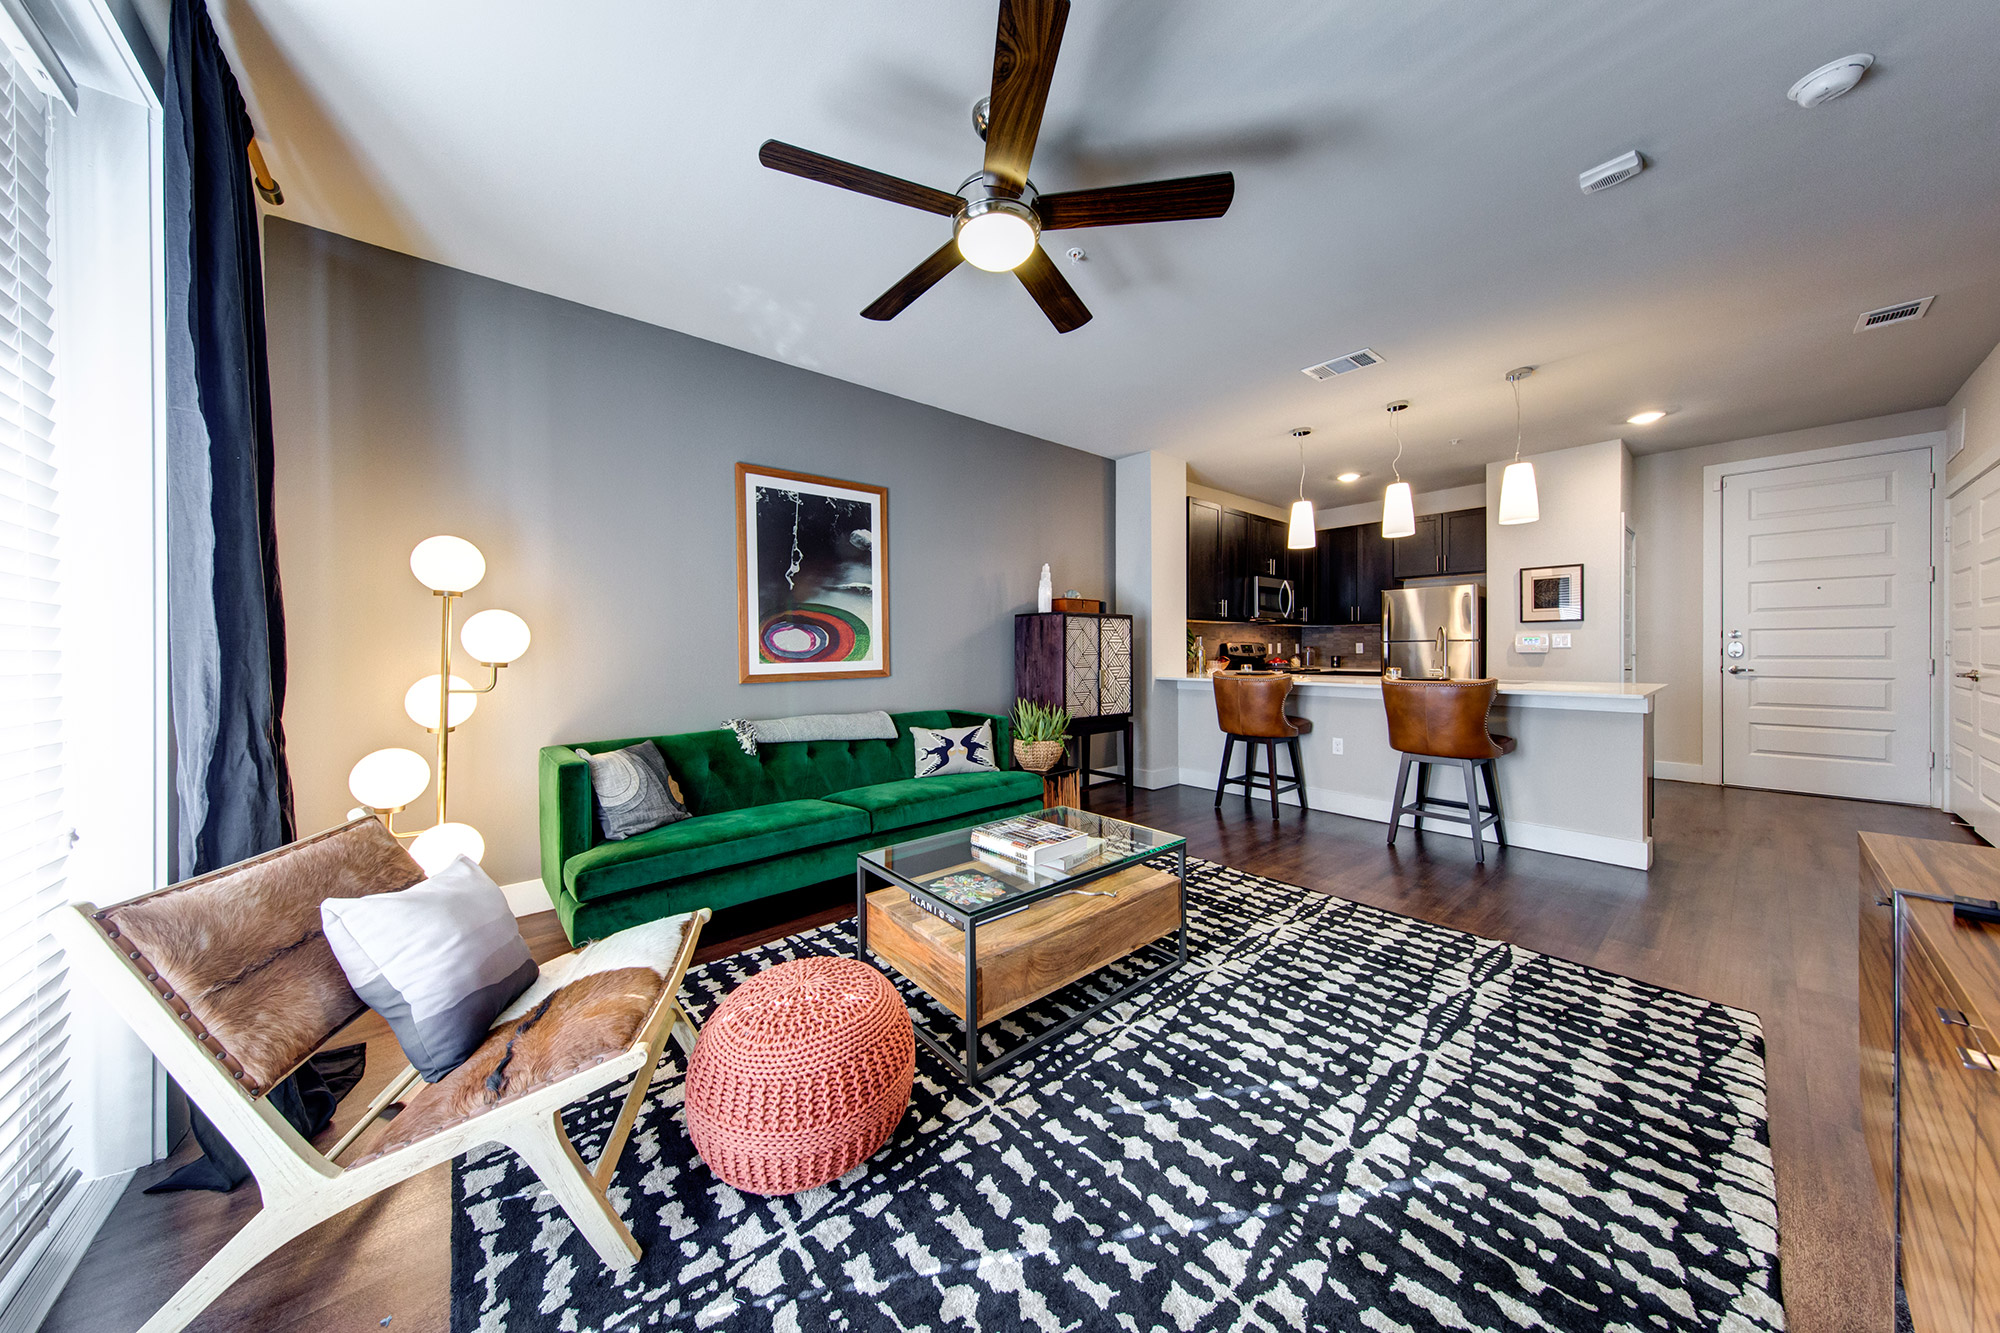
(1152, 779)
(527, 897)
(41, 1272)
(1634, 853)
(1668, 770)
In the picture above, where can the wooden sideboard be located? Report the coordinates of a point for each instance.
(1930, 1075)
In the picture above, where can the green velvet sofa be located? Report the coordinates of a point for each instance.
(788, 816)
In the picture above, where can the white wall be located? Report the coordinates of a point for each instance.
(1976, 406)
(1231, 500)
(1150, 575)
(1667, 514)
(1583, 491)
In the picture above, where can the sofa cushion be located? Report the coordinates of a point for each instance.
(899, 805)
(716, 775)
(710, 842)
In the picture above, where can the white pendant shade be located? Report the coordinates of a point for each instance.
(1518, 501)
(1399, 511)
(1302, 536)
(390, 779)
(436, 846)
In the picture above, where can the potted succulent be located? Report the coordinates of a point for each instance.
(1039, 733)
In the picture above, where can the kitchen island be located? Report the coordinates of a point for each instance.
(1580, 784)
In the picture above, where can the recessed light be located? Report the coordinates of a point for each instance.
(1348, 476)
(1645, 418)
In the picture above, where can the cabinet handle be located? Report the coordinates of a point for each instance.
(1952, 1017)
(1977, 1061)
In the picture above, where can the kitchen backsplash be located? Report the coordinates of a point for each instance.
(1354, 645)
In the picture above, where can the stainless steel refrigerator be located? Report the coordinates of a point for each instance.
(1433, 633)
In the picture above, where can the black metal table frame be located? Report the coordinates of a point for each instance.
(970, 1069)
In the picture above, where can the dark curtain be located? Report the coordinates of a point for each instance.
(226, 611)
(226, 615)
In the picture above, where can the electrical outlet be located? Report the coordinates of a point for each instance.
(1559, 640)
(1361, 648)
(1339, 745)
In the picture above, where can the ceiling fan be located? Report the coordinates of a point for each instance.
(997, 214)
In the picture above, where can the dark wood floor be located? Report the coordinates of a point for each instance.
(1751, 901)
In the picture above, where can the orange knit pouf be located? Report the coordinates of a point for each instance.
(800, 1075)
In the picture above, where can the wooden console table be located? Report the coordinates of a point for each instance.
(1930, 1077)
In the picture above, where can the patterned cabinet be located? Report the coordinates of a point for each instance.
(1080, 662)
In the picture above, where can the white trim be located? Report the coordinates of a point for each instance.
(527, 897)
(1634, 853)
(1711, 581)
(1152, 779)
(1668, 770)
(43, 1271)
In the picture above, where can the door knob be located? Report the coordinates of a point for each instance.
(1743, 671)
(1969, 675)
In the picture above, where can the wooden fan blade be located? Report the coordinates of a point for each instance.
(1052, 292)
(862, 180)
(1149, 201)
(916, 282)
(1024, 60)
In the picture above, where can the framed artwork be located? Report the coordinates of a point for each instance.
(812, 577)
(1552, 592)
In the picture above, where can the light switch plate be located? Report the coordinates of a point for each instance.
(1360, 647)
(1531, 643)
(1561, 640)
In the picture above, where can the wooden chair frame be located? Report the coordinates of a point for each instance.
(303, 1187)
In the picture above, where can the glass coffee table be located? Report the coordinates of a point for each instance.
(983, 935)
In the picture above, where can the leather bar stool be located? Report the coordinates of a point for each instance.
(1250, 705)
(1444, 722)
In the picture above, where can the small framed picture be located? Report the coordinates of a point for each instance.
(1552, 592)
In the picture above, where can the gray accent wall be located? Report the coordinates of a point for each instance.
(591, 458)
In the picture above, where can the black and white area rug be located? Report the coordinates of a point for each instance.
(1332, 1118)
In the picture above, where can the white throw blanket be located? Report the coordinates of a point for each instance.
(874, 726)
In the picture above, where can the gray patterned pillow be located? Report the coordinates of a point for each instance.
(954, 750)
(439, 961)
(633, 791)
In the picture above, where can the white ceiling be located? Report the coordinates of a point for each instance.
(1406, 181)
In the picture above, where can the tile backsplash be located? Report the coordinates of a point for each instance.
(1354, 645)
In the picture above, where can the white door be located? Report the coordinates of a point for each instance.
(1826, 615)
(1975, 655)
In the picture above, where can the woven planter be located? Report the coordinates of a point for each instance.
(1038, 756)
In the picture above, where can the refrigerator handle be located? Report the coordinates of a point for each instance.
(1442, 659)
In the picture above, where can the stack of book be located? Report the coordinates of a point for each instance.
(1034, 843)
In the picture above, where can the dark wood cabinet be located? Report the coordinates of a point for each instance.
(1302, 568)
(1234, 550)
(1267, 547)
(1374, 570)
(1208, 594)
(1421, 555)
(1465, 541)
(1354, 565)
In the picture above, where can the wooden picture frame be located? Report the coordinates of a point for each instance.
(1551, 593)
(812, 577)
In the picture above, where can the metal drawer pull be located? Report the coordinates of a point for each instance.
(1976, 1060)
(1952, 1017)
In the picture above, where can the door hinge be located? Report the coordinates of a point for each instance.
(1933, 759)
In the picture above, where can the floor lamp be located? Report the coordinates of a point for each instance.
(388, 781)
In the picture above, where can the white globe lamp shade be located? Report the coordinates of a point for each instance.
(437, 846)
(447, 564)
(420, 701)
(495, 637)
(1518, 501)
(1301, 535)
(1399, 511)
(999, 238)
(390, 779)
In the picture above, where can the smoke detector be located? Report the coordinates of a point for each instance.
(1615, 172)
(1830, 80)
(1340, 365)
(1893, 314)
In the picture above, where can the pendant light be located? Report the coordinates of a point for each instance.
(1302, 536)
(1399, 511)
(1518, 500)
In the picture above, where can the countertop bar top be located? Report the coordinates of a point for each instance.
(1580, 695)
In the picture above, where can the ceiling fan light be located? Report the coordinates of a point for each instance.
(1302, 535)
(997, 234)
(1399, 511)
(1518, 501)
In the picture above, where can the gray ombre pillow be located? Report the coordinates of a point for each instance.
(633, 790)
(438, 960)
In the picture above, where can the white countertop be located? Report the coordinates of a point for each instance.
(1580, 695)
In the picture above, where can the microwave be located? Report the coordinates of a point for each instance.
(1273, 599)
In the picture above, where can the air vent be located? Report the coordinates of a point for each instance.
(1615, 172)
(1340, 365)
(1893, 314)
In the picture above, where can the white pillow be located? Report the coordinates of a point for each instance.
(954, 750)
(438, 960)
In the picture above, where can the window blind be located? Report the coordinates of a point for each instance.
(34, 827)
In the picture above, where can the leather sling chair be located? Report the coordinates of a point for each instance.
(1250, 706)
(230, 981)
(1444, 721)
